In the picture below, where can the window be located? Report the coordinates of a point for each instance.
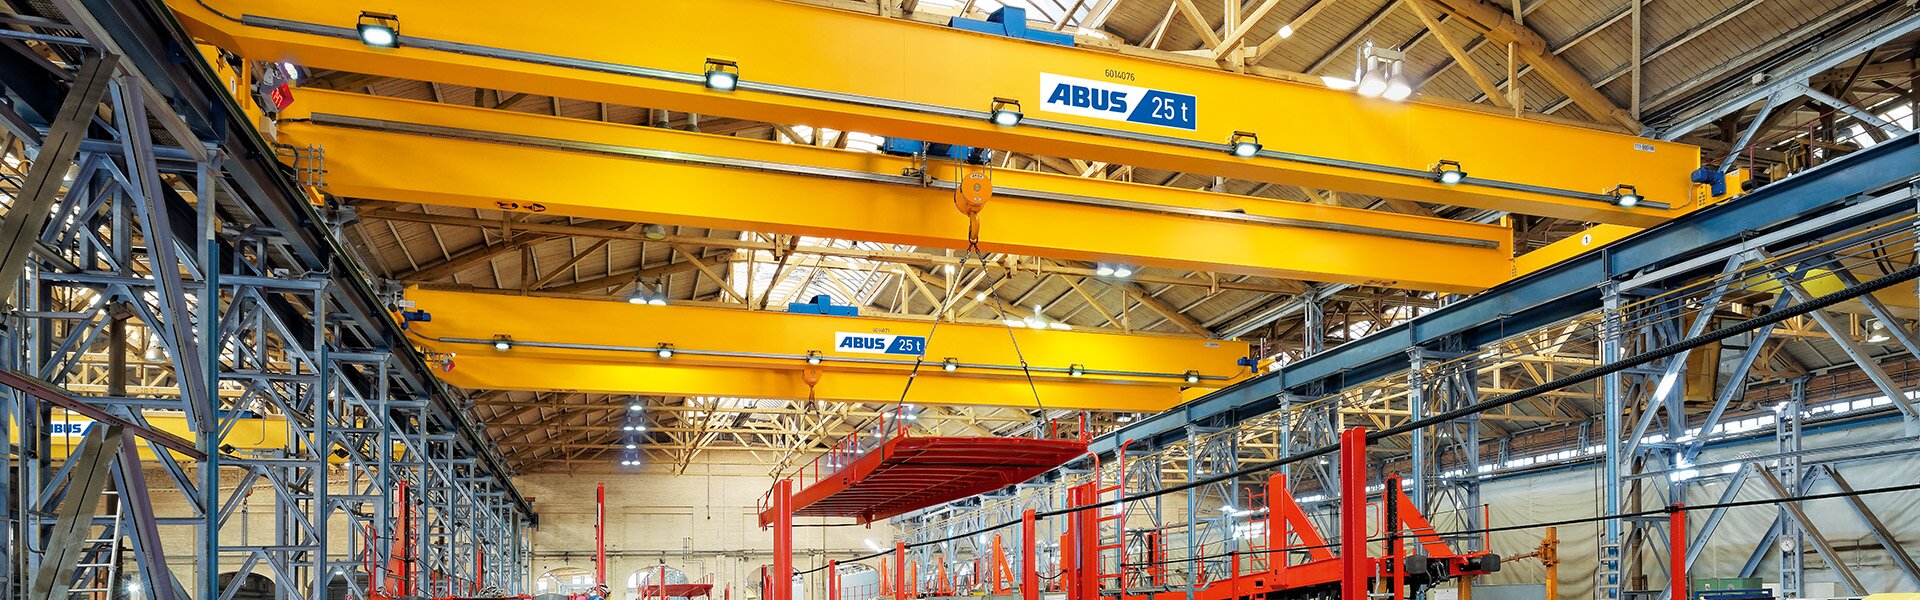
(564, 580)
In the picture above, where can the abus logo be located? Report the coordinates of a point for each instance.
(1117, 102)
(68, 428)
(854, 342)
(879, 343)
(1080, 96)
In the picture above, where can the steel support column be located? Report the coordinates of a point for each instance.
(33, 204)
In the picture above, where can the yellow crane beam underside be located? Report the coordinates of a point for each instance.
(607, 347)
(251, 433)
(895, 77)
(584, 173)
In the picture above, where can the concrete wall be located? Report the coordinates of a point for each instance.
(703, 523)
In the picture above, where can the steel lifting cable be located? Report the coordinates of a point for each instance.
(973, 252)
(1723, 333)
(975, 188)
(1000, 311)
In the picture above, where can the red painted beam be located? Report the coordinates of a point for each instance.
(1353, 514)
(1677, 533)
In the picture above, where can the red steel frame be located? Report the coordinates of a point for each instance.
(663, 590)
(1352, 569)
(870, 479)
(1353, 514)
(1029, 561)
(600, 534)
(1677, 535)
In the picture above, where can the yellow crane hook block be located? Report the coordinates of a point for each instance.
(976, 186)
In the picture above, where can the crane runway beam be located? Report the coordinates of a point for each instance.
(614, 347)
(794, 65)
(456, 156)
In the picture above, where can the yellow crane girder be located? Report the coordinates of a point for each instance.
(554, 344)
(246, 433)
(409, 151)
(824, 67)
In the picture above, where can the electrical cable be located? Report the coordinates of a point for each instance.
(1723, 333)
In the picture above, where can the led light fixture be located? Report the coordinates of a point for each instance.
(722, 75)
(380, 30)
(1625, 196)
(1005, 112)
(1448, 172)
(1244, 144)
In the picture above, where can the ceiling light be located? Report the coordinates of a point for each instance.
(1013, 322)
(1448, 172)
(502, 342)
(1243, 144)
(632, 446)
(1286, 31)
(1076, 370)
(1377, 71)
(1397, 87)
(1193, 377)
(1373, 83)
(1005, 112)
(653, 231)
(950, 364)
(813, 357)
(639, 427)
(665, 351)
(1122, 271)
(1876, 331)
(633, 408)
(1625, 196)
(628, 428)
(980, 297)
(379, 30)
(639, 296)
(722, 75)
(1124, 418)
(1103, 270)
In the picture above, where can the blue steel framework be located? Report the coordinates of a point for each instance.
(147, 211)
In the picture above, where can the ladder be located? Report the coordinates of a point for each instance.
(1607, 584)
(1119, 545)
(96, 577)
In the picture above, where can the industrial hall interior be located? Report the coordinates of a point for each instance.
(960, 299)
